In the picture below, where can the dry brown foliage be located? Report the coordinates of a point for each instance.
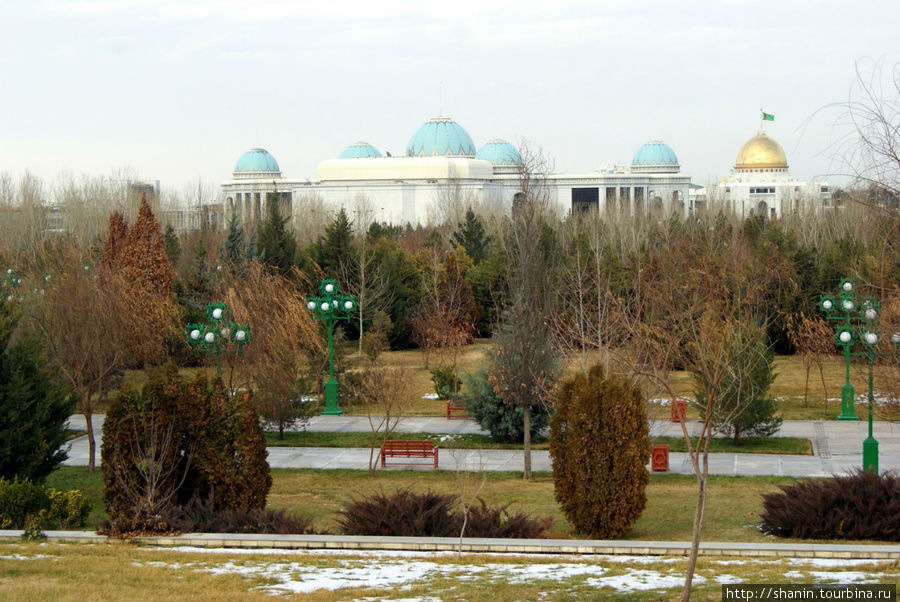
(284, 338)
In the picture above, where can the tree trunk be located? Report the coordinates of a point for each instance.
(526, 443)
(281, 431)
(702, 480)
(87, 412)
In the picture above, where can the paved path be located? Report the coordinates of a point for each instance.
(837, 447)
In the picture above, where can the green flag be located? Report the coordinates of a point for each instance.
(768, 117)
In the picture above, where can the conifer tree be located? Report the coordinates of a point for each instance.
(234, 251)
(34, 405)
(471, 236)
(173, 247)
(275, 243)
(333, 250)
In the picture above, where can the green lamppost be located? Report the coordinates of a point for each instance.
(843, 309)
(857, 322)
(218, 335)
(330, 306)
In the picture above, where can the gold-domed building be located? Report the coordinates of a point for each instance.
(761, 183)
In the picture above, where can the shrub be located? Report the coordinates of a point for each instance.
(202, 517)
(862, 505)
(503, 421)
(177, 441)
(496, 521)
(599, 447)
(401, 513)
(446, 382)
(20, 502)
(68, 509)
(429, 514)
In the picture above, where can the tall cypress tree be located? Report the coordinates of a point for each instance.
(333, 250)
(275, 244)
(471, 236)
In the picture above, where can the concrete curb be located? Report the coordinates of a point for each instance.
(352, 544)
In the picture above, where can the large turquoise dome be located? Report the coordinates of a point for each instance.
(655, 156)
(500, 153)
(256, 162)
(360, 150)
(440, 136)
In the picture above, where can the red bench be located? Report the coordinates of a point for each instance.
(451, 407)
(409, 450)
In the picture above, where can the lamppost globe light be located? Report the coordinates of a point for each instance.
(871, 314)
(895, 338)
(847, 286)
(325, 306)
(217, 313)
(845, 336)
(311, 305)
(348, 305)
(240, 335)
(847, 304)
(209, 337)
(329, 288)
(870, 338)
(224, 332)
(827, 304)
(195, 335)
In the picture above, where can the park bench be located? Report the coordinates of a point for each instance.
(451, 407)
(409, 450)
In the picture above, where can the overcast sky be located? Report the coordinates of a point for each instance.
(177, 90)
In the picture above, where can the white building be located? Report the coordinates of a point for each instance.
(442, 165)
(761, 183)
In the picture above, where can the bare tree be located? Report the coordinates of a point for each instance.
(84, 331)
(525, 362)
(812, 339)
(696, 305)
(867, 144)
(389, 393)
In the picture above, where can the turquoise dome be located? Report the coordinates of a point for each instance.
(499, 152)
(654, 153)
(257, 160)
(360, 150)
(440, 136)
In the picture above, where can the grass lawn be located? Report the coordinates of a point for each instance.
(796, 401)
(732, 510)
(35, 571)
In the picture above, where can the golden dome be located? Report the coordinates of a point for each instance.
(761, 152)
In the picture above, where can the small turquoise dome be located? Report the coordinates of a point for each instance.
(360, 150)
(655, 153)
(257, 161)
(440, 136)
(499, 152)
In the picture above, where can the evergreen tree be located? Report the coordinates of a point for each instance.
(333, 250)
(744, 406)
(139, 260)
(599, 446)
(173, 247)
(234, 250)
(471, 236)
(275, 242)
(34, 406)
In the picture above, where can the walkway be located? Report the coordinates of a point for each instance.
(837, 448)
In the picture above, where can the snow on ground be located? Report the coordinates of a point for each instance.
(403, 570)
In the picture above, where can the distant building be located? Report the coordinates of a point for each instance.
(442, 165)
(761, 183)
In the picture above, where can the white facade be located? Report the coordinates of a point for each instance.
(414, 189)
(761, 183)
